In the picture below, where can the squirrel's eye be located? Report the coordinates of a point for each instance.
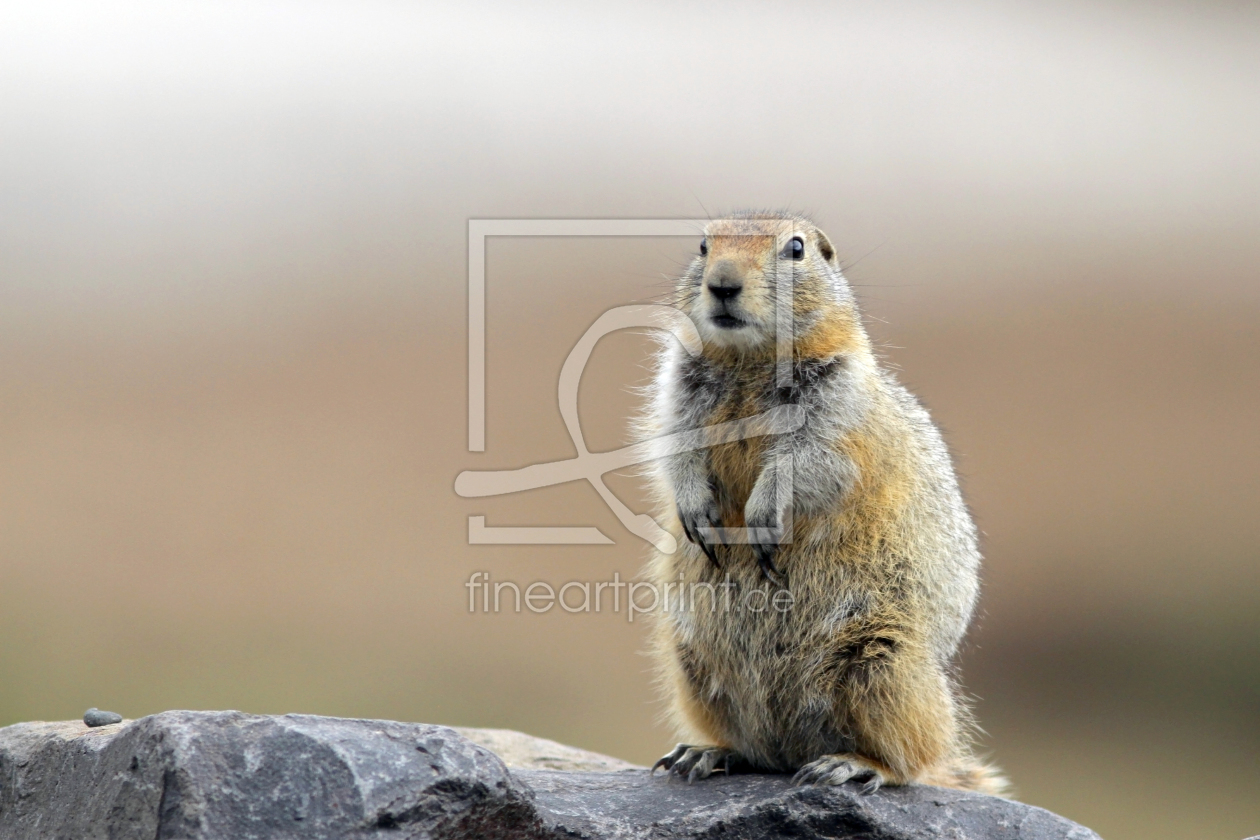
(796, 248)
(704, 247)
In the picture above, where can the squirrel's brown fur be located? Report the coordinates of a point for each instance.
(853, 679)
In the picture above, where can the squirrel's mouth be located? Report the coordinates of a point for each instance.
(727, 322)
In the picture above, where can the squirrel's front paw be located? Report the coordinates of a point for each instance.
(698, 517)
(765, 533)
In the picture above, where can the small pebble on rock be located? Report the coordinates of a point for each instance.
(95, 717)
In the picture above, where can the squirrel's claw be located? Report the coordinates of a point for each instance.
(695, 763)
(710, 553)
(765, 560)
(765, 534)
(691, 525)
(838, 769)
(669, 759)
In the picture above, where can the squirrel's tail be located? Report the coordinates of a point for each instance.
(971, 774)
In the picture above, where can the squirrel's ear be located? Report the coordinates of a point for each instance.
(824, 248)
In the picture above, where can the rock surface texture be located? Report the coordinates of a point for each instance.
(232, 776)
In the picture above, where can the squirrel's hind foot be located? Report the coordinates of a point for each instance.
(692, 763)
(841, 768)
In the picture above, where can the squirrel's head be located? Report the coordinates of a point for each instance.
(747, 264)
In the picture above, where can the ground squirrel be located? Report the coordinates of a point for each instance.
(854, 680)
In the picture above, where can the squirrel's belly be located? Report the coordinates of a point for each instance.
(765, 693)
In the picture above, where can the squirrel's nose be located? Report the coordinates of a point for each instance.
(724, 280)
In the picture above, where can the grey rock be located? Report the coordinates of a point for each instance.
(525, 752)
(95, 717)
(232, 776)
(636, 805)
(245, 777)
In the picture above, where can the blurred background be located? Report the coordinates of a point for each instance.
(233, 350)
